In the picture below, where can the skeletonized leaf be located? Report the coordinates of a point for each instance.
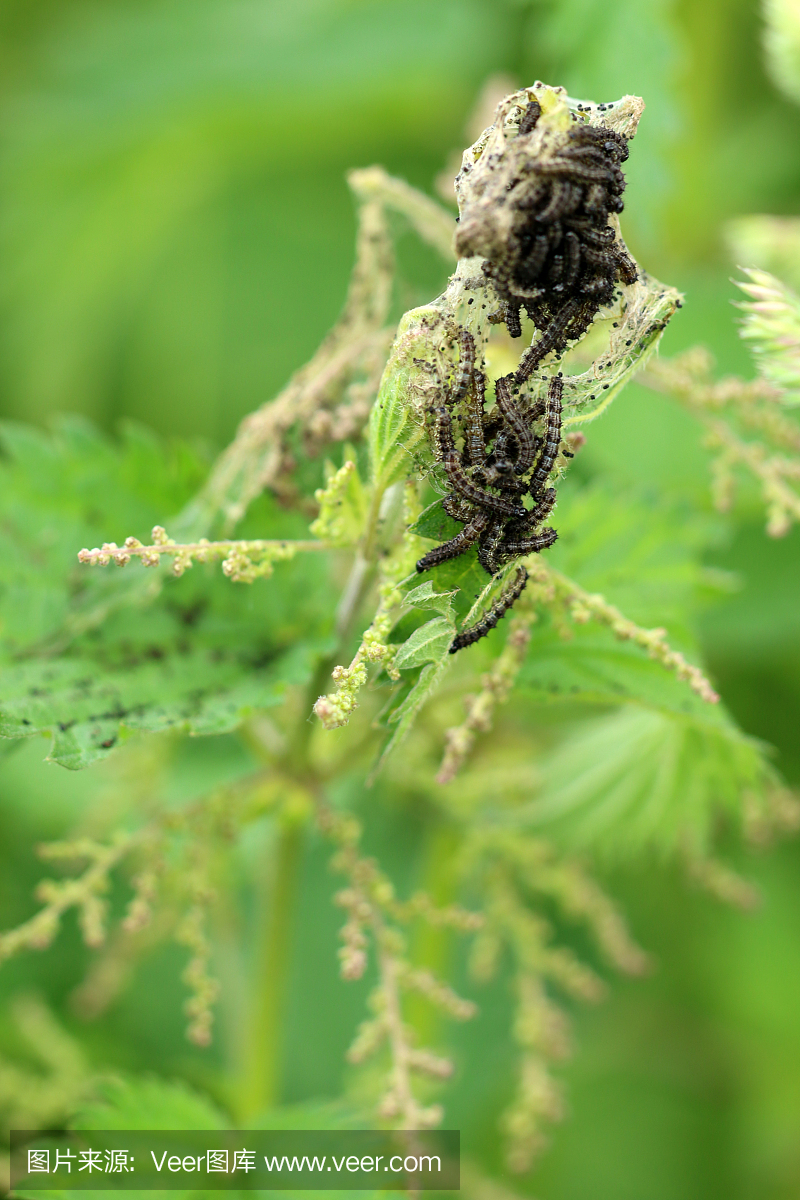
(395, 427)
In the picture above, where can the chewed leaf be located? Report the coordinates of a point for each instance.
(646, 307)
(86, 709)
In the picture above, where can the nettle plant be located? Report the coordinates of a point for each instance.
(372, 618)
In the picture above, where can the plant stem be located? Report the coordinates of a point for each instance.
(432, 945)
(262, 1077)
(261, 1083)
(385, 507)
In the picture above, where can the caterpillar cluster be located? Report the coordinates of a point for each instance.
(539, 212)
(501, 462)
(562, 258)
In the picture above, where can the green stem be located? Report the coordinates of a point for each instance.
(383, 512)
(260, 1086)
(432, 946)
(261, 1083)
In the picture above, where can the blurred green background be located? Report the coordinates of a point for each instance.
(175, 239)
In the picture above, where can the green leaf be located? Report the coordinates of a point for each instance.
(144, 1102)
(147, 1102)
(392, 433)
(642, 553)
(639, 779)
(435, 523)
(397, 420)
(133, 650)
(404, 716)
(74, 488)
(318, 1114)
(86, 709)
(464, 576)
(428, 646)
(424, 596)
(152, 1103)
(429, 643)
(593, 667)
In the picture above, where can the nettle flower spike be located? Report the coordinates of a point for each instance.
(242, 561)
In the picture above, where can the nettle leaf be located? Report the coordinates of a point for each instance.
(91, 655)
(436, 524)
(428, 647)
(144, 1102)
(394, 428)
(405, 714)
(147, 1102)
(86, 709)
(151, 1103)
(421, 599)
(71, 488)
(630, 340)
(641, 779)
(464, 576)
(593, 667)
(642, 554)
(429, 643)
(424, 596)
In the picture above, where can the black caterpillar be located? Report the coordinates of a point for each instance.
(501, 461)
(498, 610)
